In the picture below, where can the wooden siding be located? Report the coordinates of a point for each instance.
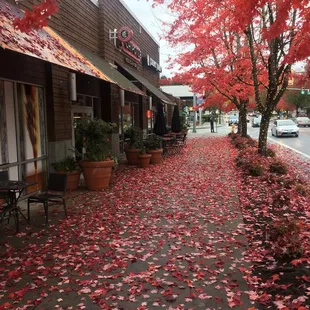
(112, 14)
(75, 20)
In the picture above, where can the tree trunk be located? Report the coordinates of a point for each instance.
(263, 133)
(242, 119)
(239, 123)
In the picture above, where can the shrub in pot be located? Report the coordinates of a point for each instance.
(134, 138)
(153, 146)
(144, 158)
(97, 162)
(70, 167)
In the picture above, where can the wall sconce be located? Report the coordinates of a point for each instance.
(150, 102)
(122, 97)
(72, 86)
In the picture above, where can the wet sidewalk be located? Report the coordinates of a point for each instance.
(167, 237)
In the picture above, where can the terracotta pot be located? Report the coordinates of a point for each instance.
(97, 173)
(157, 157)
(144, 160)
(132, 156)
(73, 179)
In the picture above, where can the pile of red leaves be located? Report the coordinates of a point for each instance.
(168, 237)
(275, 206)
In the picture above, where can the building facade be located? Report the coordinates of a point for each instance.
(78, 67)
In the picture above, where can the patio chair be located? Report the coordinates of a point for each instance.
(7, 210)
(55, 193)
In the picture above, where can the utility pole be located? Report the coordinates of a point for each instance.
(195, 113)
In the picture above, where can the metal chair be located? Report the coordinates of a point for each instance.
(55, 193)
(6, 209)
(4, 176)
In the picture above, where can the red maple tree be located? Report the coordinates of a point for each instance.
(37, 17)
(215, 58)
(263, 38)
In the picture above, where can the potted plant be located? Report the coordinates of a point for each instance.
(70, 167)
(144, 158)
(133, 136)
(153, 146)
(96, 163)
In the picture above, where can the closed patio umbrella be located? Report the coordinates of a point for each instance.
(160, 128)
(175, 122)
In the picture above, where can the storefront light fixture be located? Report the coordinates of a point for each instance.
(122, 97)
(150, 102)
(72, 86)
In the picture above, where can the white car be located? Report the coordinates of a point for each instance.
(284, 127)
(302, 121)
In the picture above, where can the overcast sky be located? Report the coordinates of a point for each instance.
(150, 19)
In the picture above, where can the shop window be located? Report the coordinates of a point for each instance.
(23, 132)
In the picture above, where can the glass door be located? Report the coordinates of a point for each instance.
(78, 114)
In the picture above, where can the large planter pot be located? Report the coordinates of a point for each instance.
(132, 156)
(97, 173)
(73, 179)
(144, 160)
(157, 157)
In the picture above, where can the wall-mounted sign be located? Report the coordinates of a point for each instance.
(131, 49)
(150, 62)
(131, 62)
(125, 34)
(122, 41)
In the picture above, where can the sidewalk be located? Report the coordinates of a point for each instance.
(167, 237)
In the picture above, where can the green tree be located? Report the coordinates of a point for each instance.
(299, 101)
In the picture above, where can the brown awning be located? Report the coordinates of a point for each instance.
(153, 89)
(44, 44)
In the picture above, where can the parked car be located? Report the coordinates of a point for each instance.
(233, 119)
(256, 121)
(284, 127)
(302, 121)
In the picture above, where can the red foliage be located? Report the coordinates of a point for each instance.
(285, 106)
(38, 17)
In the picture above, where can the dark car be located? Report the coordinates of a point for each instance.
(233, 120)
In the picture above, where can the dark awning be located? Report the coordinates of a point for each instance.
(44, 44)
(148, 85)
(108, 70)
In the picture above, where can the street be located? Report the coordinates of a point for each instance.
(300, 145)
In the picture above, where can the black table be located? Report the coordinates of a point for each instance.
(11, 192)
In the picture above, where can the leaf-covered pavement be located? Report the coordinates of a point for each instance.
(168, 237)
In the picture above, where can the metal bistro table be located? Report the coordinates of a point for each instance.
(12, 191)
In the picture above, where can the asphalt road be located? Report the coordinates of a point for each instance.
(300, 144)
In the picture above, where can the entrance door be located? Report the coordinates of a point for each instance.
(78, 114)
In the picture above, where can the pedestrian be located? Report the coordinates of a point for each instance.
(212, 124)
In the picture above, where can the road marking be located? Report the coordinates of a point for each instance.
(282, 144)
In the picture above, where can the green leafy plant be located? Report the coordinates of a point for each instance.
(134, 136)
(143, 150)
(94, 136)
(68, 164)
(153, 142)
